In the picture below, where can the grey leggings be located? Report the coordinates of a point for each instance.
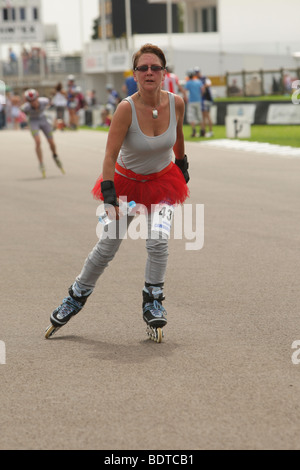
(105, 250)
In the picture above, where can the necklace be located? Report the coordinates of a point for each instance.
(154, 110)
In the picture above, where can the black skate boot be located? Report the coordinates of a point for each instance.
(153, 311)
(70, 306)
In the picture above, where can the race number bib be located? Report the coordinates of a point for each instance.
(162, 219)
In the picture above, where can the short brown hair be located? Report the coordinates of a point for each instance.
(149, 49)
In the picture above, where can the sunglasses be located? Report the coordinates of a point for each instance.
(154, 68)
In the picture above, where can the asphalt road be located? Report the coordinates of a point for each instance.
(224, 376)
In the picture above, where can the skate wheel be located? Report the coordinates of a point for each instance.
(155, 334)
(50, 331)
(159, 335)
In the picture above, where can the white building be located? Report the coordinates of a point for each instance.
(20, 21)
(219, 36)
(256, 27)
(29, 49)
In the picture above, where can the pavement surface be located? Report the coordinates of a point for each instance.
(226, 375)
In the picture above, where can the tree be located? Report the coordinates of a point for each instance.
(95, 34)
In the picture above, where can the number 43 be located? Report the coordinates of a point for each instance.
(166, 213)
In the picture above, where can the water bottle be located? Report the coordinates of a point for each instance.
(125, 209)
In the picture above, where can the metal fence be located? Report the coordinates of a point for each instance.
(261, 82)
(39, 70)
(42, 66)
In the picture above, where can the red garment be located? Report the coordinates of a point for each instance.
(170, 187)
(171, 82)
(80, 101)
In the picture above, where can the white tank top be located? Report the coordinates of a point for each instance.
(143, 154)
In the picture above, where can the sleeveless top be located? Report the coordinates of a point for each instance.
(35, 114)
(59, 100)
(144, 154)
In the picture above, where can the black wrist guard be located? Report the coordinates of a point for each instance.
(183, 165)
(109, 193)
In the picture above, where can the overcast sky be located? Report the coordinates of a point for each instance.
(66, 14)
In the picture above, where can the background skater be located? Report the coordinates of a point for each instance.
(35, 107)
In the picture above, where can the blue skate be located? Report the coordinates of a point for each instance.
(70, 306)
(153, 311)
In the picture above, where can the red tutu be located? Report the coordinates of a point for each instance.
(170, 187)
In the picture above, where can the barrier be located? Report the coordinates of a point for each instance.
(260, 112)
(96, 117)
(257, 112)
(237, 126)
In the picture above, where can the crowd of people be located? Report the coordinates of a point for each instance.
(31, 60)
(199, 103)
(68, 101)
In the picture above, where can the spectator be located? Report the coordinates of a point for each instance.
(105, 118)
(15, 110)
(59, 100)
(113, 98)
(194, 105)
(90, 98)
(171, 83)
(25, 60)
(80, 103)
(233, 89)
(35, 60)
(287, 83)
(8, 108)
(12, 55)
(13, 61)
(207, 102)
(93, 98)
(253, 86)
(130, 85)
(275, 86)
(71, 102)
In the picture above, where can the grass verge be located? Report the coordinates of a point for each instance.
(278, 135)
(256, 98)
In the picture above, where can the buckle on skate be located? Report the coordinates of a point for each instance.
(65, 311)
